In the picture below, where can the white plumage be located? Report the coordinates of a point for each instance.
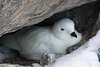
(32, 42)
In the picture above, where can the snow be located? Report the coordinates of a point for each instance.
(36, 65)
(85, 56)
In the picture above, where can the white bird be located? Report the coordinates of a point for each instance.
(33, 42)
(85, 56)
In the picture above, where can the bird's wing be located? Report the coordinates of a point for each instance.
(34, 38)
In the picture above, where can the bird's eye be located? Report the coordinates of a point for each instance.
(62, 29)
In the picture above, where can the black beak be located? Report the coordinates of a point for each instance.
(73, 34)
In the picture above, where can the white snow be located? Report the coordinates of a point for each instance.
(36, 65)
(85, 56)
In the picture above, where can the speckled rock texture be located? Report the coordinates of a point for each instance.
(15, 14)
(9, 65)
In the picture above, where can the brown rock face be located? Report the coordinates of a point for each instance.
(15, 14)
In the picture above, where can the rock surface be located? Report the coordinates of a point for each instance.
(9, 65)
(15, 14)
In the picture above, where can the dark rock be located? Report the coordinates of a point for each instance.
(85, 16)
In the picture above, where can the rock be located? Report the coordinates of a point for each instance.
(15, 14)
(12, 65)
(85, 17)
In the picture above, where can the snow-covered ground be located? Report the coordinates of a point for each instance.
(85, 56)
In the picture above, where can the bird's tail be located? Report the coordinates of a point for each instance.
(9, 41)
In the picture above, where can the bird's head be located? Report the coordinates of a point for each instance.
(65, 29)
